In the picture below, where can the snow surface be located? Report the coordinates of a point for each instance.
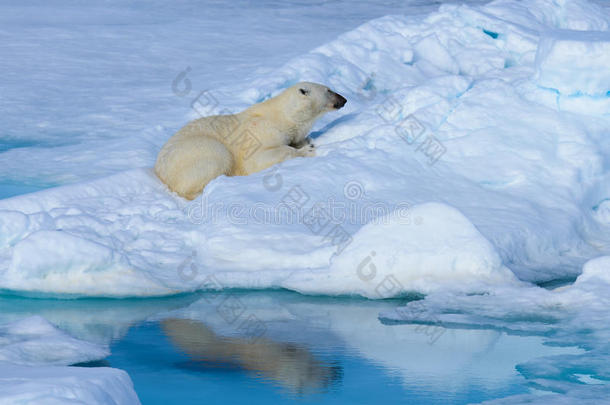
(446, 109)
(560, 55)
(34, 341)
(32, 352)
(65, 385)
(85, 81)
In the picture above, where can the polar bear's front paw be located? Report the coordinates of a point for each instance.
(308, 150)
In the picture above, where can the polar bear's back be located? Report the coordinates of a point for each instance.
(220, 127)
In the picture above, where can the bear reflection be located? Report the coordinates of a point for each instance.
(287, 364)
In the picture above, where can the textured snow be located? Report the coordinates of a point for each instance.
(446, 109)
(33, 341)
(65, 385)
(392, 253)
(32, 353)
(90, 89)
(582, 56)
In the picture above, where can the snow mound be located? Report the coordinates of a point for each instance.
(62, 385)
(74, 232)
(430, 247)
(477, 109)
(594, 272)
(32, 352)
(583, 57)
(34, 341)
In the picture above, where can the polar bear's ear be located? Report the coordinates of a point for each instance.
(304, 92)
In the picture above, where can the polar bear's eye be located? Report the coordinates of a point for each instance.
(304, 92)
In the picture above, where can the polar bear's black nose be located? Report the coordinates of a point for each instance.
(339, 101)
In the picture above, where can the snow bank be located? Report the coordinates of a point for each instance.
(36, 343)
(410, 250)
(62, 238)
(581, 56)
(33, 341)
(94, 111)
(448, 109)
(404, 251)
(61, 385)
(595, 272)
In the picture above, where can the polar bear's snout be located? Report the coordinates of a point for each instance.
(339, 100)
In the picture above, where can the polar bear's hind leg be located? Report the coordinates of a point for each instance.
(188, 166)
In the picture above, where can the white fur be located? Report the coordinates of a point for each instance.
(240, 144)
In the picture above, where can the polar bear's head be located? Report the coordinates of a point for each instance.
(306, 101)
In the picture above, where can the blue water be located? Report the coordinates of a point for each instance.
(312, 350)
(169, 377)
(162, 374)
(11, 189)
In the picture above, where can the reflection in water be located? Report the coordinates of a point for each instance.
(304, 338)
(96, 320)
(290, 365)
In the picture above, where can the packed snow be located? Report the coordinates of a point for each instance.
(34, 341)
(65, 385)
(32, 353)
(82, 81)
(464, 108)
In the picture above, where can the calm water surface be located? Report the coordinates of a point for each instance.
(281, 347)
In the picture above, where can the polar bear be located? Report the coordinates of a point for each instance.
(240, 144)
